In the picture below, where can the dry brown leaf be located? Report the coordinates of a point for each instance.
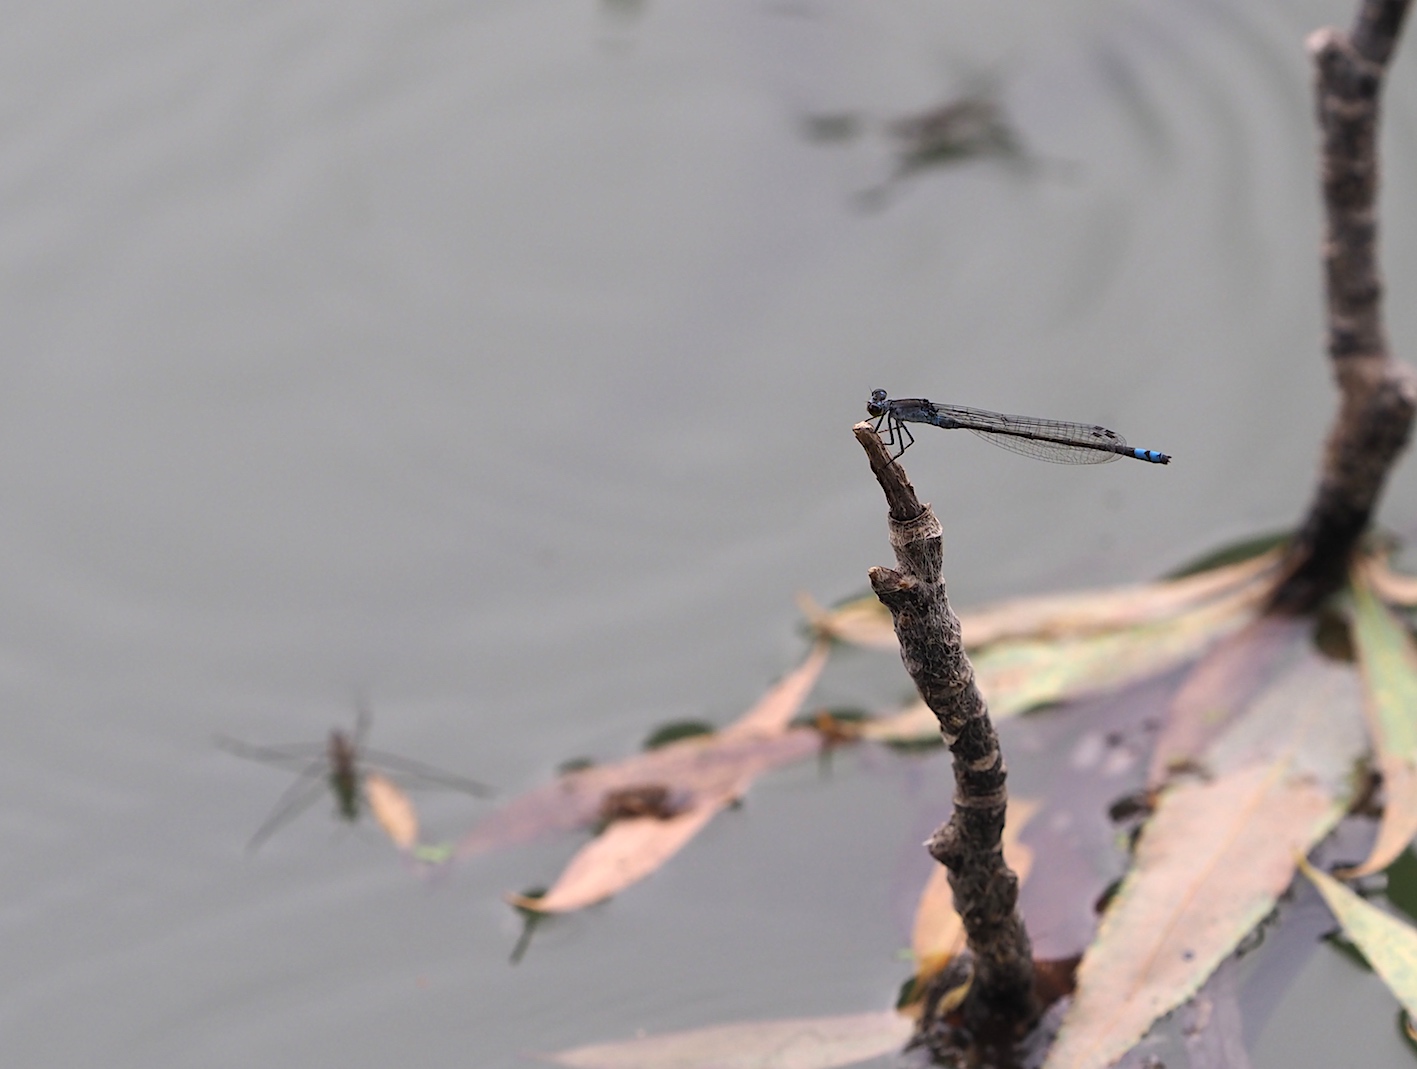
(938, 933)
(392, 809)
(624, 853)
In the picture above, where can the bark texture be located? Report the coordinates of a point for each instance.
(1378, 395)
(970, 843)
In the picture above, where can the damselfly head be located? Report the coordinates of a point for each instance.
(876, 405)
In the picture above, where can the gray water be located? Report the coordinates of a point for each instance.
(497, 361)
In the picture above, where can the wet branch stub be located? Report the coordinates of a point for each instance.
(970, 843)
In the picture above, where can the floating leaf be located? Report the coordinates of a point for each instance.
(774, 711)
(1388, 661)
(1389, 944)
(624, 853)
(1223, 685)
(805, 1043)
(1393, 587)
(865, 622)
(392, 809)
(694, 769)
(1018, 675)
(1214, 858)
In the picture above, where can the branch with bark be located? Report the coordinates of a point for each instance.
(970, 844)
(1378, 393)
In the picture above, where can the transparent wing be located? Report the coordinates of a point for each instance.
(1043, 439)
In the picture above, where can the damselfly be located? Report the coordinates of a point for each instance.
(1045, 439)
(341, 765)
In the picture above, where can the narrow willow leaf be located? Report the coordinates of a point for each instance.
(1393, 587)
(623, 854)
(702, 766)
(1209, 866)
(805, 1043)
(1118, 608)
(392, 809)
(1223, 685)
(1214, 857)
(698, 766)
(775, 710)
(1388, 660)
(865, 622)
(1389, 944)
(1015, 676)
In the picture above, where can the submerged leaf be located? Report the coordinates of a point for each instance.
(804, 1043)
(1389, 944)
(1388, 659)
(392, 809)
(1215, 856)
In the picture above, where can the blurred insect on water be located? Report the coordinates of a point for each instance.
(355, 774)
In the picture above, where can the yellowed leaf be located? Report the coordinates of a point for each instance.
(938, 933)
(1017, 675)
(392, 809)
(1223, 685)
(860, 622)
(775, 710)
(1209, 866)
(1117, 608)
(865, 622)
(1389, 944)
(1388, 660)
(1393, 587)
(701, 766)
(624, 853)
(1215, 856)
(806, 1043)
(705, 773)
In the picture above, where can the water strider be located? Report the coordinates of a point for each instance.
(1044, 439)
(339, 765)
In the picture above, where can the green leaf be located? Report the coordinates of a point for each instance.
(1388, 660)
(1389, 944)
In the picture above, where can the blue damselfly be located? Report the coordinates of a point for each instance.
(1044, 439)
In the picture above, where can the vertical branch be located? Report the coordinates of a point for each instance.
(1378, 394)
(970, 844)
